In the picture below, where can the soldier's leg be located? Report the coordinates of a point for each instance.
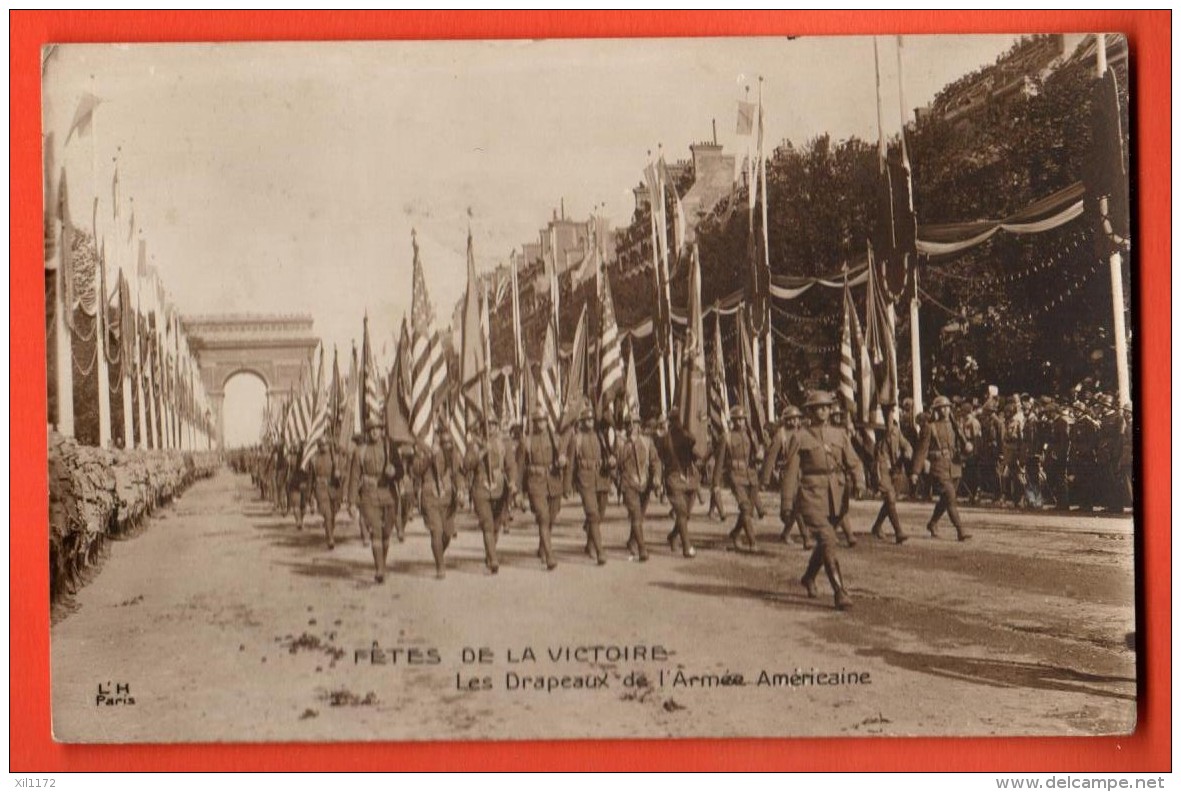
(299, 496)
(826, 549)
(884, 512)
(594, 522)
(546, 526)
(940, 507)
(638, 527)
(843, 525)
(891, 506)
(432, 515)
(631, 503)
(949, 486)
(742, 523)
(371, 514)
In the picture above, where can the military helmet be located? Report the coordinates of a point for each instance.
(538, 414)
(373, 423)
(940, 401)
(819, 398)
(586, 413)
(737, 413)
(791, 411)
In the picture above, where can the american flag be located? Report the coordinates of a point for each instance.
(427, 366)
(457, 426)
(371, 379)
(610, 354)
(719, 397)
(317, 403)
(865, 390)
(847, 386)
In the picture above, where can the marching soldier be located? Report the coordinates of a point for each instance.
(679, 458)
(588, 470)
(890, 450)
(372, 482)
(358, 443)
(298, 489)
(840, 421)
(821, 464)
(942, 445)
(639, 474)
(493, 475)
(541, 464)
(440, 476)
(326, 485)
(738, 461)
(789, 511)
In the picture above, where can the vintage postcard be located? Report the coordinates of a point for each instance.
(557, 389)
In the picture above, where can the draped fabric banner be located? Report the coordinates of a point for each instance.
(1043, 215)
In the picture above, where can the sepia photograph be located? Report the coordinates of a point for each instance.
(559, 389)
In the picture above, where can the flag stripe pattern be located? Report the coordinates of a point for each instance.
(426, 356)
(610, 355)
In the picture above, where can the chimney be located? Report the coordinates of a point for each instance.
(715, 123)
(563, 207)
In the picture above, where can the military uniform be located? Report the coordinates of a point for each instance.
(439, 472)
(372, 480)
(1058, 459)
(678, 460)
(588, 471)
(789, 510)
(737, 464)
(326, 484)
(820, 463)
(941, 445)
(888, 457)
(541, 466)
(639, 473)
(493, 484)
(298, 487)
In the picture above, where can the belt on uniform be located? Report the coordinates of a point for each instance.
(539, 468)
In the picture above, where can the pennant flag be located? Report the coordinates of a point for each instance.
(759, 286)
(576, 378)
(880, 337)
(397, 407)
(750, 390)
(691, 394)
(350, 413)
(719, 397)
(549, 391)
(336, 401)
(631, 389)
(518, 338)
(82, 116)
(746, 117)
(659, 272)
(510, 408)
(473, 363)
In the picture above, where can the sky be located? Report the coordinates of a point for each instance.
(287, 177)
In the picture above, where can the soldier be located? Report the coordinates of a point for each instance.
(789, 511)
(541, 463)
(942, 445)
(298, 489)
(440, 476)
(737, 462)
(358, 442)
(890, 451)
(587, 471)
(639, 474)
(372, 480)
(679, 457)
(821, 465)
(326, 484)
(1058, 457)
(839, 420)
(716, 504)
(513, 448)
(490, 465)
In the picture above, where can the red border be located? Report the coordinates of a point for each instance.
(32, 747)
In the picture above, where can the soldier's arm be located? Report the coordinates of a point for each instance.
(791, 471)
(920, 455)
(853, 466)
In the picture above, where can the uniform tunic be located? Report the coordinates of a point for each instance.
(639, 471)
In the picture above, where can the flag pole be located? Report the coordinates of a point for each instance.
(1115, 263)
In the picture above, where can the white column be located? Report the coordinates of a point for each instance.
(770, 375)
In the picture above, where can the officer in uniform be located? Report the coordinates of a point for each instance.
(789, 512)
(942, 445)
(589, 471)
(372, 480)
(821, 464)
(493, 474)
(439, 472)
(679, 457)
(541, 463)
(639, 474)
(737, 463)
(326, 484)
(890, 449)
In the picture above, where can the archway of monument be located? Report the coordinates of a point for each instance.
(276, 349)
(244, 407)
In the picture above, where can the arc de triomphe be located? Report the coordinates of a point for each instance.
(273, 347)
